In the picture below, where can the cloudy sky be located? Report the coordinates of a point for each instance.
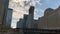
(20, 7)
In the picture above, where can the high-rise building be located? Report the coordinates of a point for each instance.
(20, 23)
(35, 24)
(9, 17)
(3, 10)
(31, 10)
(25, 20)
(30, 18)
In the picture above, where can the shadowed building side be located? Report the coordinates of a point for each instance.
(6, 3)
(20, 23)
(3, 10)
(25, 20)
(35, 24)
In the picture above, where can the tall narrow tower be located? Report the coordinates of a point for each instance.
(31, 10)
(9, 17)
(30, 17)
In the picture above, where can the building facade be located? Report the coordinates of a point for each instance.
(9, 17)
(30, 19)
(20, 23)
(3, 10)
(51, 19)
(35, 24)
(25, 21)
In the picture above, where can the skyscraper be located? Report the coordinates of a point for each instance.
(20, 23)
(9, 17)
(30, 18)
(25, 20)
(31, 10)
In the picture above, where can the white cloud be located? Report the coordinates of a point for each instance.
(21, 7)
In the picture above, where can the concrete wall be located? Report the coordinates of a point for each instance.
(42, 23)
(51, 21)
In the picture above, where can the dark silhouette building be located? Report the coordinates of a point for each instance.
(20, 23)
(25, 20)
(30, 18)
(3, 10)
